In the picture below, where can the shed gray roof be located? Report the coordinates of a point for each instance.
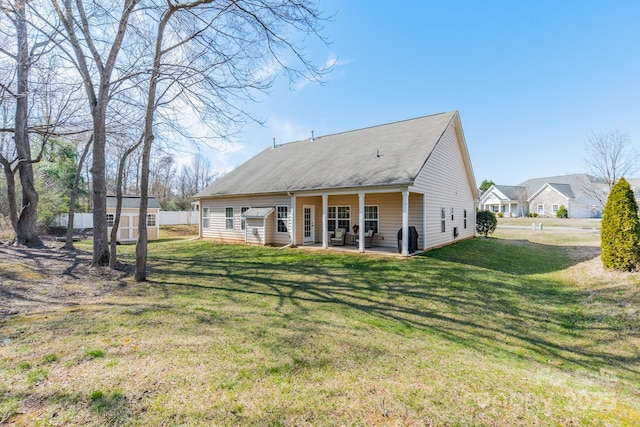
(132, 202)
(391, 154)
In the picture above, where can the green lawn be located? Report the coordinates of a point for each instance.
(515, 330)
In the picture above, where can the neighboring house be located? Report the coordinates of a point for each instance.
(548, 199)
(129, 218)
(413, 173)
(579, 193)
(505, 199)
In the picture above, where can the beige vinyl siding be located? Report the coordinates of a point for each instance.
(217, 228)
(256, 230)
(389, 217)
(445, 184)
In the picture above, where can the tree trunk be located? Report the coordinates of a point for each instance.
(26, 227)
(141, 245)
(113, 258)
(100, 239)
(11, 193)
(74, 196)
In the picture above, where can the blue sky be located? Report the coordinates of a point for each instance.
(531, 79)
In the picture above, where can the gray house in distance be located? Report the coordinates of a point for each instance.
(581, 194)
(576, 192)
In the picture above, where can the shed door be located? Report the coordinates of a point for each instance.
(309, 226)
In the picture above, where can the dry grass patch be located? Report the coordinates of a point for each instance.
(586, 223)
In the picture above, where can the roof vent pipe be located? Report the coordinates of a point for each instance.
(313, 138)
(274, 142)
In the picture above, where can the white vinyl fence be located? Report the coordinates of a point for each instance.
(84, 221)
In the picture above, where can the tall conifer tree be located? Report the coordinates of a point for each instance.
(620, 235)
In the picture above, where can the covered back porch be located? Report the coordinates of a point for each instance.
(316, 216)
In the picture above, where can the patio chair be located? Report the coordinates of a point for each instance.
(337, 237)
(368, 238)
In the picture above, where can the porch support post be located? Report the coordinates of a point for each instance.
(361, 229)
(405, 222)
(509, 208)
(293, 219)
(424, 221)
(325, 221)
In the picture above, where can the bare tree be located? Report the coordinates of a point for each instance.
(25, 225)
(94, 55)
(68, 244)
(522, 197)
(212, 56)
(609, 157)
(113, 259)
(161, 179)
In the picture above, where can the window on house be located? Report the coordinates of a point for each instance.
(206, 217)
(151, 220)
(451, 214)
(442, 220)
(228, 216)
(554, 208)
(464, 213)
(371, 218)
(243, 221)
(282, 218)
(540, 209)
(110, 220)
(339, 217)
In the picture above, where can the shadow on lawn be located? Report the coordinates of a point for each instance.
(458, 292)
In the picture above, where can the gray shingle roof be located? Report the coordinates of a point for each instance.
(391, 154)
(511, 191)
(576, 182)
(564, 189)
(132, 202)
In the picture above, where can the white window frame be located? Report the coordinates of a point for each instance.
(243, 220)
(554, 208)
(538, 210)
(282, 220)
(111, 219)
(333, 215)
(228, 220)
(370, 220)
(151, 220)
(465, 217)
(206, 217)
(443, 220)
(452, 214)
